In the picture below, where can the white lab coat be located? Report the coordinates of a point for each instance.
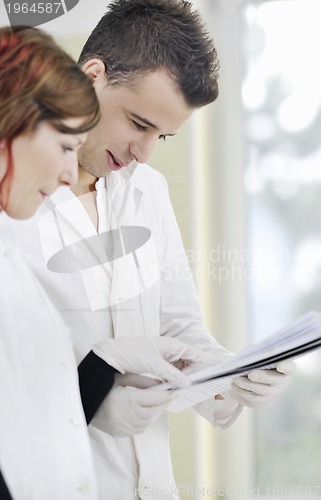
(44, 445)
(149, 293)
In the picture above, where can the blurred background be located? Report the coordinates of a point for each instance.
(245, 181)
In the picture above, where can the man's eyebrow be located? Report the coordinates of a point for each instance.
(147, 122)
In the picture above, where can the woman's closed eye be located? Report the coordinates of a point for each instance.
(68, 149)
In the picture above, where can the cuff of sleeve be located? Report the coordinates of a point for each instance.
(107, 351)
(219, 412)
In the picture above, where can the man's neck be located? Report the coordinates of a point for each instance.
(86, 193)
(86, 183)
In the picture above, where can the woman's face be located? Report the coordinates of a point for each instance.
(42, 161)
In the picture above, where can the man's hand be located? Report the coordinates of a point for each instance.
(260, 388)
(129, 410)
(150, 356)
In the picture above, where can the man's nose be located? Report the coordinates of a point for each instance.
(142, 149)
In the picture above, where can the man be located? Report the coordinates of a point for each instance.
(110, 253)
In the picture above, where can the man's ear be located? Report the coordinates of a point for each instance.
(94, 68)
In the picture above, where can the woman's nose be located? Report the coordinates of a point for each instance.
(69, 174)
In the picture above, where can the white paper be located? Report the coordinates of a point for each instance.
(296, 339)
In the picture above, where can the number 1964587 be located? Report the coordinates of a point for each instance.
(36, 8)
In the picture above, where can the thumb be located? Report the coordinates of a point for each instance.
(174, 376)
(287, 367)
(167, 372)
(152, 397)
(173, 350)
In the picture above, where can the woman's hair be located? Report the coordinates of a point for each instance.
(39, 82)
(137, 36)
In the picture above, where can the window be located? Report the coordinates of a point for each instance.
(281, 100)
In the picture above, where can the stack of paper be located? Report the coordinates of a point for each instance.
(296, 339)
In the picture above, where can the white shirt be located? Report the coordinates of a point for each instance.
(44, 446)
(145, 291)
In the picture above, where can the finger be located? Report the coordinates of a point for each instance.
(244, 384)
(133, 380)
(167, 372)
(287, 367)
(175, 350)
(148, 414)
(175, 377)
(267, 377)
(251, 399)
(146, 398)
(145, 416)
(239, 396)
(192, 355)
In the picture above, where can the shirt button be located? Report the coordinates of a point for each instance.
(144, 489)
(76, 422)
(9, 252)
(84, 488)
(65, 366)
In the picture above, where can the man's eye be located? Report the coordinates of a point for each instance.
(139, 126)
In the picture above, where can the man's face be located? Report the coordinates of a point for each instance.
(134, 117)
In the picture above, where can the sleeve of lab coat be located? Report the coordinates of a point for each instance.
(4, 492)
(96, 379)
(180, 314)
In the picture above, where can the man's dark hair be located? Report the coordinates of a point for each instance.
(138, 36)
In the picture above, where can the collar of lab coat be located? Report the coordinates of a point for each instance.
(2, 246)
(2, 216)
(5, 239)
(70, 212)
(123, 199)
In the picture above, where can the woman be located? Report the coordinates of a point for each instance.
(46, 107)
